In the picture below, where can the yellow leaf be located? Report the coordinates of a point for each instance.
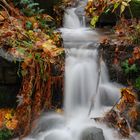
(8, 116)
(122, 8)
(125, 3)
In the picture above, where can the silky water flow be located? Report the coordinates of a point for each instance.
(82, 78)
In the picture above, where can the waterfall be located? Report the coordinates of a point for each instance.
(71, 20)
(81, 78)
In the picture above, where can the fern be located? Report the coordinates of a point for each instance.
(28, 7)
(32, 5)
(26, 1)
(129, 68)
(5, 134)
(137, 83)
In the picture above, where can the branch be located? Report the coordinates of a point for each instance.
(9, 7)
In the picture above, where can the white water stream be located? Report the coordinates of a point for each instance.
(81, 78)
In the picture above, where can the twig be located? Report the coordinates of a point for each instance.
(5, 10)
(8, 6)
(11, 20)
(98, 82)
(116, 103)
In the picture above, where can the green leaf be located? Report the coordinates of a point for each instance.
(122, 8)
(21, 50)
(29, 25)
(129, 68)
(37, 55)
(25, 1)
(133, 68)
(107, 10)
(33, 5)
(24, 72)
(116, 5)
(137, 83)
(94, 21)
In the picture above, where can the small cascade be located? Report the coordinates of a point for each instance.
(83, 21)
(71, 21)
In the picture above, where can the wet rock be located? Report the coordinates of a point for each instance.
(92, 133)
(116, 72)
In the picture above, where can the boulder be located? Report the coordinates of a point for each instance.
(92, 133)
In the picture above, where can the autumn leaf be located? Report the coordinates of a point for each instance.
(128, 95)
(128, 98)
(133, 113)
(11, 124)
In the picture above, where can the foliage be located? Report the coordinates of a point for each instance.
(128, 30)
(59, 10)
(28, 7)
(8, 123)
(129, 68)
(5, 134)
(95, 8)
(39, 48)
(8, 119)
(124, 114)
(137, 83)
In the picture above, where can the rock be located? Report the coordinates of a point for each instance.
(80, 11)
(8, 72)
(92, 133)
(9, 80)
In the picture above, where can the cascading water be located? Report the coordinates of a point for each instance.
(81, 78)
(71, 20)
